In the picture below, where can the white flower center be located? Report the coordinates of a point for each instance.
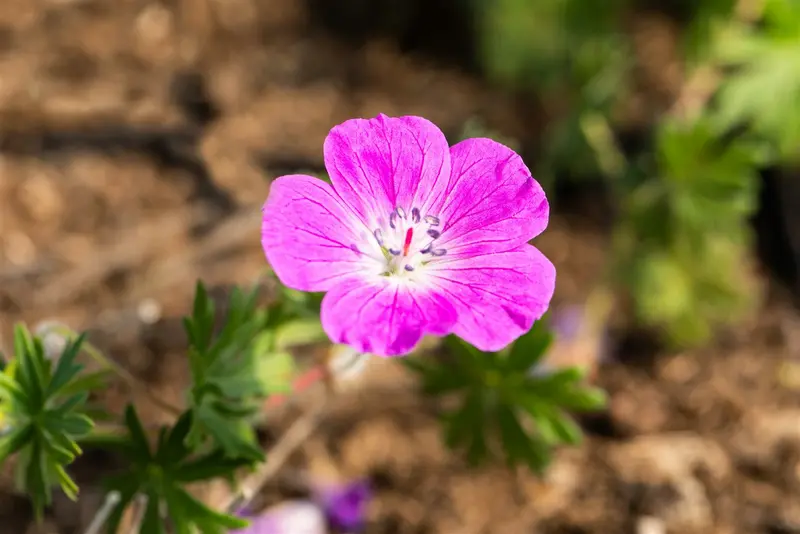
(406, 242)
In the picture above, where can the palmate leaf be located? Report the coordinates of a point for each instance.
(160, 474)
(226, 379)
(44, 409)
(503, 401)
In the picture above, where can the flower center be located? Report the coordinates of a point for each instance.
(407, 241)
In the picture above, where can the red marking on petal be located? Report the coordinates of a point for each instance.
(409, 235)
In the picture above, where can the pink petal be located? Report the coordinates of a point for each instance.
(378, 164)
(497, 296)
(492, 203)
(309, 235)
(384, 317)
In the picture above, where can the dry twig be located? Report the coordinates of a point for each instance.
(289, 442)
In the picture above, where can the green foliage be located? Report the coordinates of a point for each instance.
(683, 237)
(247, 360)
(226, 391)
(704, 19)
(547, 43)
(573, 54)
(295, 318)
(500, 395)
(763, 91)
(685, 195)
(161, 475)
(43, 405)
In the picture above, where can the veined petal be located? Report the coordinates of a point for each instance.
(379, 164)
(497, 296)
(384, 317)
(309, 236)
(492, 202)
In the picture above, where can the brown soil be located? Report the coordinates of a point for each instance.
(136, 145)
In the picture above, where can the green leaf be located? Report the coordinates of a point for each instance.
(302, 331)
(28, 373)
(151, 522)
(584, 399)
(209, 466)
(87, 382)
(137, 434)
(174, 447)
(465, 427)
(233, 437)
(530, 348)
(437, 378)
(73, 424)
(66, 368)
(276, 371)
(566, 429)
(11, 390)
(68, 486)
(15, 440)
(518, 445)
(203, 514)
(37, 482)
(70, 403)
(202, 320)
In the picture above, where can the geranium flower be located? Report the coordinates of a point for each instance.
(413, 237)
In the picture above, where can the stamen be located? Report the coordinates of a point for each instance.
(427, 248)
(415, 215)
(409, 268)
(401, 212)
(409, 236)
(378, 236)
(432, 220)
(434, 233)
(394, 252)
(392, 219)
(439, 252)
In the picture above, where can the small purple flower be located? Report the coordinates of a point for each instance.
(345, 505)
(413, 238)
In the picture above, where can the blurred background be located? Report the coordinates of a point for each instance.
(138, 139)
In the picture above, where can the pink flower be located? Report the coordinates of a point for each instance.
(413, 238)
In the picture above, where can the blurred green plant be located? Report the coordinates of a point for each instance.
(685, 196)
(572, 54)
(762, 91)
(683, 236)
(505, 396)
